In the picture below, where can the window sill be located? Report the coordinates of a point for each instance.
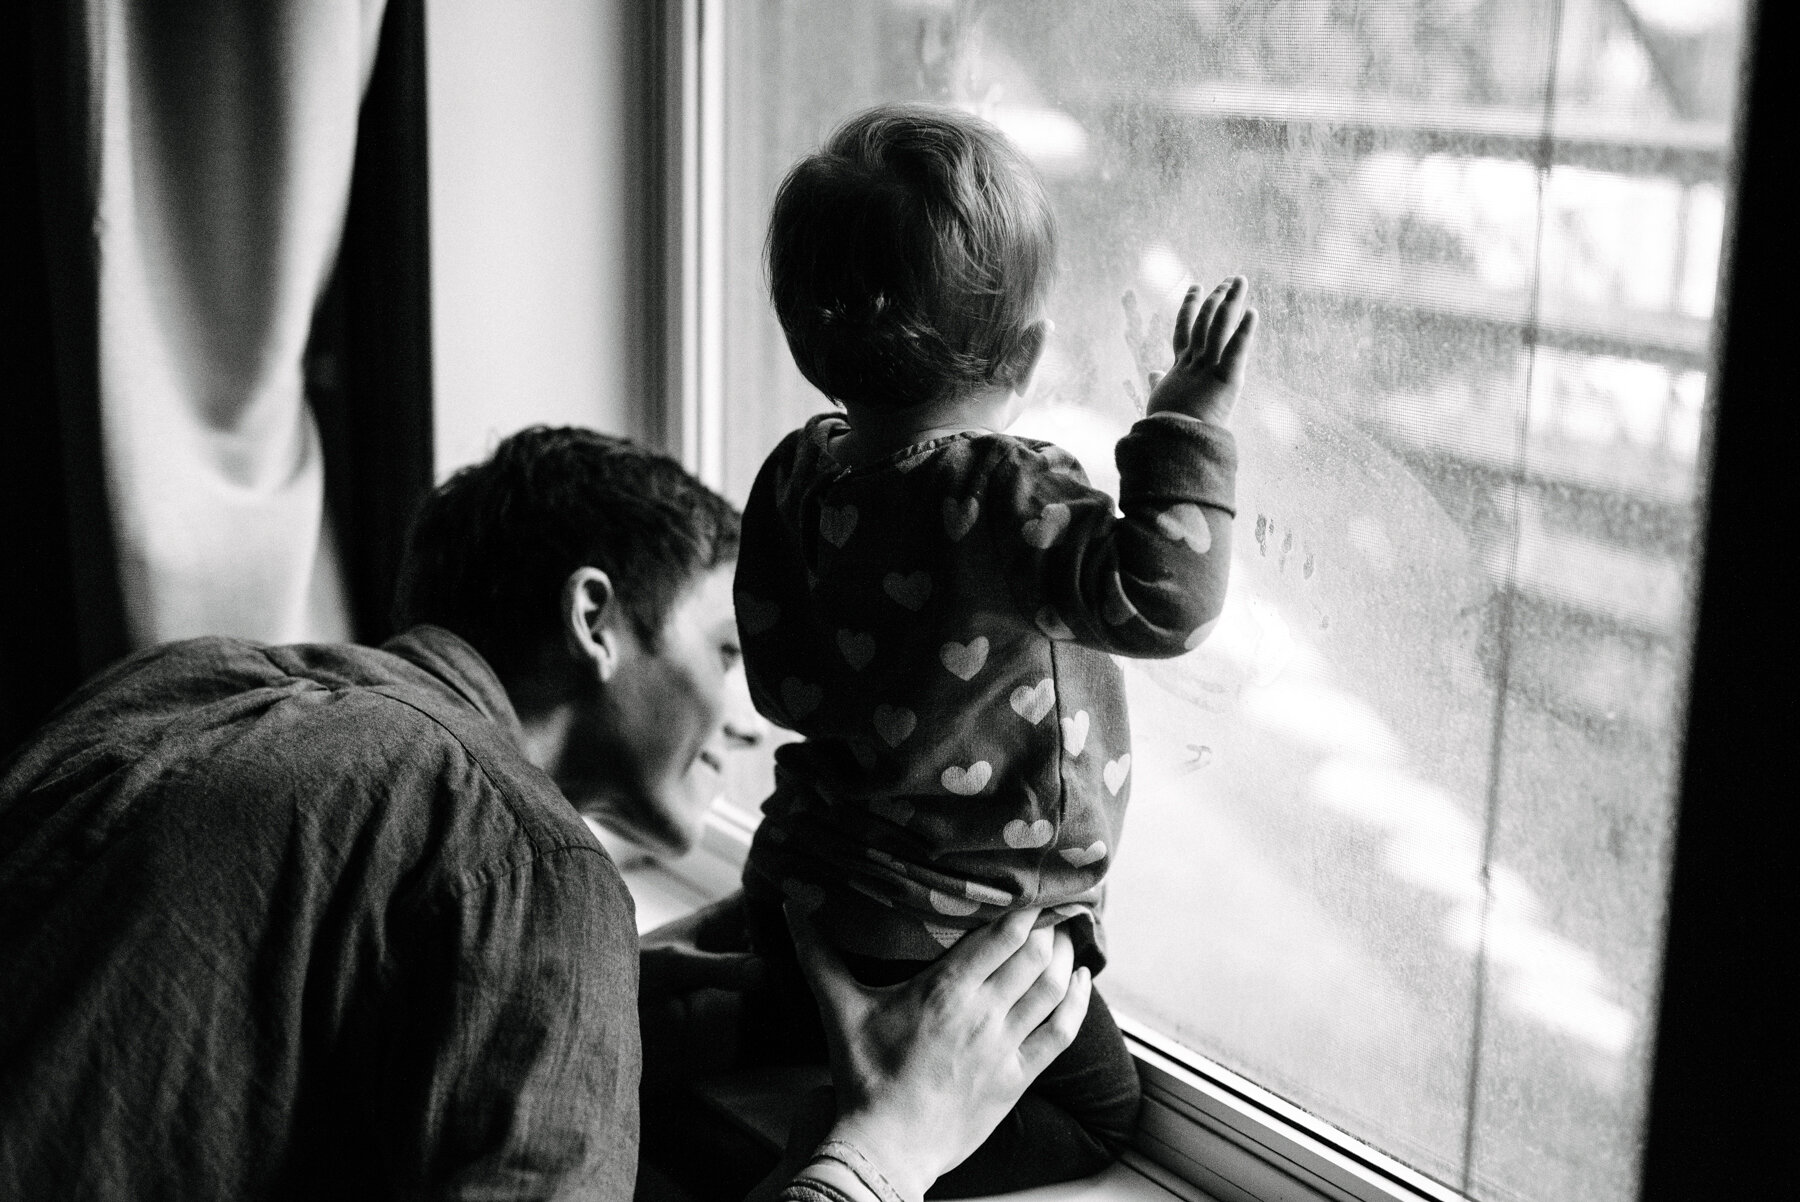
(665, 890)
(755, 1105)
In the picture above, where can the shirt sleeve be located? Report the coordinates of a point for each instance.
(810, 1189)
(1148, 583)
(511, 1065)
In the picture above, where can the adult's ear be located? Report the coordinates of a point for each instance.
(1030, 352)
(591, 617)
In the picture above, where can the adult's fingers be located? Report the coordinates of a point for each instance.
(1057, 1032)
(836, 990)
(1008, 982)
(1184, 317)
(680, 969)
(979, 954)
(1043, 995)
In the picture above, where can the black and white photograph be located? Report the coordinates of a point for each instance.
(881, 600)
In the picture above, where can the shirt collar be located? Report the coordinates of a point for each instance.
(452, 660)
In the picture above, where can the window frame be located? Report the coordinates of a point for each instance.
(1727, 999)
(1207, 1131)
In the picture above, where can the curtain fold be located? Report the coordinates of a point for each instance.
(215, 317)
(220, 143)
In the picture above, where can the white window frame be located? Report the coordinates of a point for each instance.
(1206, 1131)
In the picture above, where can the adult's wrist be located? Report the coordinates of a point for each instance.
(838, 1177)
(890, 1154)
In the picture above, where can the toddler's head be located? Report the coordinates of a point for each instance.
(910, 257)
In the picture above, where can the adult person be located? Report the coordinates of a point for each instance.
(325, 921)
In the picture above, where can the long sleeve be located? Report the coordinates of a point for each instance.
(1145, 584)
(512, 1059)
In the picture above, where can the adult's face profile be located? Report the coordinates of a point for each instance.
(661, 715)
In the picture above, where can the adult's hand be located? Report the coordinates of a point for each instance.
(924, 1071)
(709, 948)
(691, 976)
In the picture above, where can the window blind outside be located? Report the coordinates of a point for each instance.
(1399, 835)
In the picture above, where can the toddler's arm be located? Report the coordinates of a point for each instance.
(1150, 583)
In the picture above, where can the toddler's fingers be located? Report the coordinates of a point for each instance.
(1203, 321)
(1184, 317)
(1235, 359)
(1226, 318)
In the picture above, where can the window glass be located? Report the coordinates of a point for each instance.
(1400, 829)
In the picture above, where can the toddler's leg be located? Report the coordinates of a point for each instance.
(1073, 1121)
(781, 1022)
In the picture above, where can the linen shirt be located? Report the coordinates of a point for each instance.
(940, 626)
(303, 922)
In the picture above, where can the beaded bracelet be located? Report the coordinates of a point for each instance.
(851, 1157)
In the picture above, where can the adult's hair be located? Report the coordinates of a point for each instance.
(491, 547)
(908, 257)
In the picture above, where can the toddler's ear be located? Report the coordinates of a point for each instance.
(1031, 350)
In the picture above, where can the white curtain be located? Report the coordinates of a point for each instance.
(222, 137)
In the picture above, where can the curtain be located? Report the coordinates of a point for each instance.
(222, 137)
(214, 271)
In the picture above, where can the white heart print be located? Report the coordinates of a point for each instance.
(836, 524)
(1115, 772)
(1075, 733)
(965, 660)
(1043, 530)
(1081, 857)
(1185, 523)
(1024, 835)
(1032, 702)
(967, 782)
(894, 723)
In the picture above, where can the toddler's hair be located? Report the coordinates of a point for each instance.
(909, 256)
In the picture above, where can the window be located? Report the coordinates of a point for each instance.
(1400, 831)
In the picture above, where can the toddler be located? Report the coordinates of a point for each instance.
(934, 605)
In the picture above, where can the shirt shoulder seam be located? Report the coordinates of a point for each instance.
(386, 690)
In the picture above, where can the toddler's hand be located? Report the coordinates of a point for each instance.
(1212, 352)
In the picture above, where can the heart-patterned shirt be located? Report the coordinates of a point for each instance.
(939, 625)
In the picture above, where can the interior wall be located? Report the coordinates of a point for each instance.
(536, 175)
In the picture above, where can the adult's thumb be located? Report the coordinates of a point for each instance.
(832, 985)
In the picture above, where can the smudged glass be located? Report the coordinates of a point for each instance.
(1399, 837)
